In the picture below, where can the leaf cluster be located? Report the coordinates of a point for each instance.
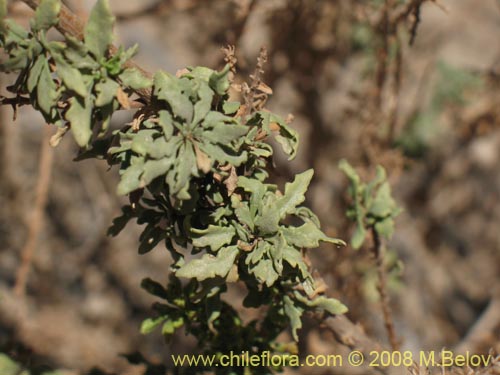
(372, 204)
(194, 165)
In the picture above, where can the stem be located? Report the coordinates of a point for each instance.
(379, 251)
(36, 220)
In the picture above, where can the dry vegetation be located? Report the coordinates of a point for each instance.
(411, 85)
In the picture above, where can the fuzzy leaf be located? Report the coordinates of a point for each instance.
(130, 179)
(383, 204)
(219, 81)
(294, 314)
(210, 266)
(35, 71)
(79, 116)
(106, 92)
(46, 89)
(331, 305)
(99, 30)
(358, 238)
(72, 78)
(307, 235)
(213, 236)
(294, 193)
(47, 14)
(170, 89)
(148, 325)
(264, 271)
(134, 79)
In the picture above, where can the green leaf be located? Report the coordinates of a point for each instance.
(294, 313)
(79, 116)
(34, 73)
(46, 89)
(331, 305)
(358, 238)
(171, 325)
(294, 193)
(242, 212)
(106, 92)
(134, 79)
(219, 153)
(203, 105)
(149, 324)
(264, 271)
(383, 203)
(385, 227)
(130, 179)
(47, 14)
(230, 108)
(268, 218)
(210, 266)
(213, 236)
(170, 89)
(72, 78)
(154, 169)
(256, 188)
(307, 235)
(99, 30)
(219, 81)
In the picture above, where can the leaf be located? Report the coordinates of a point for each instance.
(210, 266)
(331, 305)
(106, 92)
(185, 168)
(264, 271)
(230, 108)
(256, 188)
(71, 77)
(79, 116)
(268, 218)
(148, 325)
(47, 14)
(130, 179)
(46, 89)
(358, 238)
(99, 30)
(213, 236)
(170, 89)
(154, 288)
(154, 169)
(142, 141)
(218, 153)
(170, 326)
(308, 235)
(203, 105)
(242, 212)
(383, 203)
(134, 79)
(34, 73)
(385, 227)
(219, 81)
(294, 314)
(294, 193)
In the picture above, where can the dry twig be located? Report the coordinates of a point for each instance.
(36, 220)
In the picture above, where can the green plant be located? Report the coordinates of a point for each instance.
(194, 165)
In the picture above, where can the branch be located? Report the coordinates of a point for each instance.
(379, 251)
(36, 220)
(71, 24)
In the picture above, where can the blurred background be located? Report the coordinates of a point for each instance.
(411, 85)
